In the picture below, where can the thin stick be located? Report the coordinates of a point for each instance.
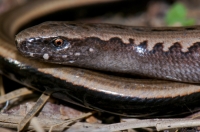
(160, 124)
(177, 124)
(15, 94)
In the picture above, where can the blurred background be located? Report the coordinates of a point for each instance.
(139, 13)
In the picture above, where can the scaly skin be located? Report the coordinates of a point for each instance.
(162, 53)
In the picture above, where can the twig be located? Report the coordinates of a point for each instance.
(15, 94)
(160, 124)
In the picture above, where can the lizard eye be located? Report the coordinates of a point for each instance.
(58, 42)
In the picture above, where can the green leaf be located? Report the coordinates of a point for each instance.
(177, 14)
